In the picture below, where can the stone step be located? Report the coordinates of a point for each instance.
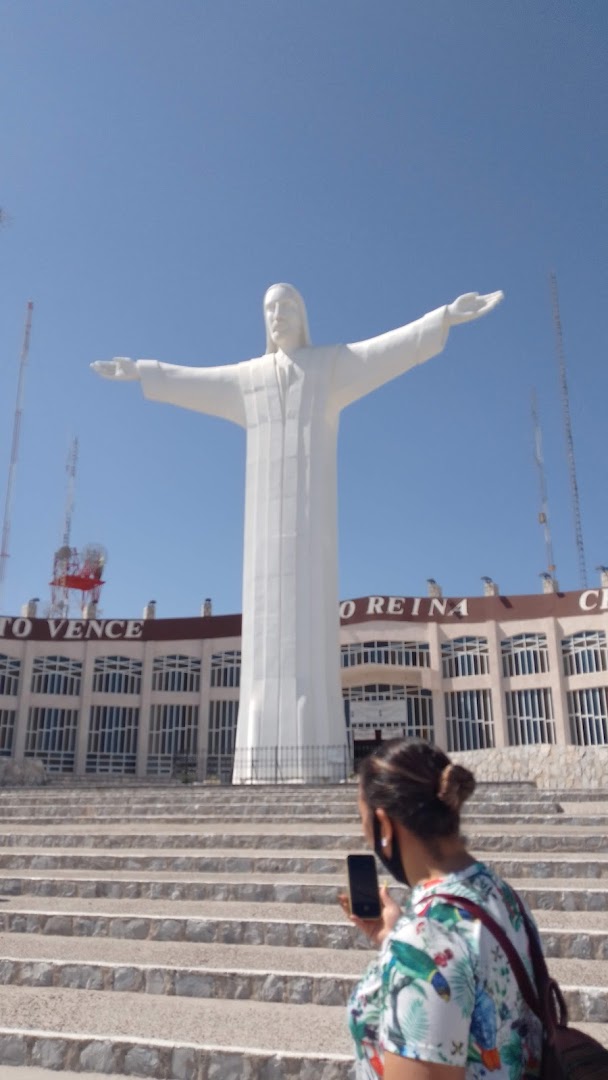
(585, 940)
(173, 1038)
(117, 817)
(558, 839)
(166, 966)
(246, 796)
(213, 861)
(200, 1045)
(73, 789)
(188, 794)
(260, 792)
(296, 797)
(570, 894)
(233, 808)
(168, 953)
(184, 898)
(128, 784)
(292, 861)
(324, 837)
(506, 821)
(307, 799)
(291, 976)
(34, 1072)
(163, 1059)
(531, 805)
(270, 793)
(141, 1033)
(289, 988)
(577, 809)
(566, 821)
(232, 911)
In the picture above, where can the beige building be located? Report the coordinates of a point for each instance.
(149, 696)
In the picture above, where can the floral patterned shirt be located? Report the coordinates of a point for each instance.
(442, 990)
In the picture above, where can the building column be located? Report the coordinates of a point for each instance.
(555, 680)
(436, 678)
(84, 714)
(145, 704)
(501, 735)
(23, 702)
(203, 711)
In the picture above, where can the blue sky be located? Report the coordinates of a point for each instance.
(163, 163)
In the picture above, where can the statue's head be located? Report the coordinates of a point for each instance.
(285, 319)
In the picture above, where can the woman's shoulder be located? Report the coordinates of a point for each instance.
(477, 883)
(438, 904)
(422, 940)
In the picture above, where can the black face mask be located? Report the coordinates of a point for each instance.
(393, 863)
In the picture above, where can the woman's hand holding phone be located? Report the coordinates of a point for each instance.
(375, 930)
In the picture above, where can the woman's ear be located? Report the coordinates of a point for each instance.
(386, 831)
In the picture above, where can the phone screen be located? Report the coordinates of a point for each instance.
(363, 886)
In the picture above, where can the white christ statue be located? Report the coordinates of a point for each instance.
(289, 401)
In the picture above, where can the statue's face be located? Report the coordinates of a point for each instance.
(283, 320)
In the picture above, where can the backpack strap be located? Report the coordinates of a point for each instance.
(524, 982)
(555, 1010)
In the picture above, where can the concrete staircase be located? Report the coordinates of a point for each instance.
(192, 933)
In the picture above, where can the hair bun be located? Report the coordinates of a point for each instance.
(456, 785)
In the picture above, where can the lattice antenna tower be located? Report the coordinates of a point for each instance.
(60, 597)
(12, 469)
(70, 468)
(543, 514)
(565, 394)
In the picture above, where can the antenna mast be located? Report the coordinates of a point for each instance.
(12, 469)
(64, 556)
(563, 380)
(543, 515)
(70, 469)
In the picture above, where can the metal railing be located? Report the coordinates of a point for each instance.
(280, 765)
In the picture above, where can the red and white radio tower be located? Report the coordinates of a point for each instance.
(12, 469)
(75, 572)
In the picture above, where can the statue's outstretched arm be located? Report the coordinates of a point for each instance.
(212, 390)
(366, 365)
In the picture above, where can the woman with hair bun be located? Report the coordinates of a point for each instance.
(440, 1001)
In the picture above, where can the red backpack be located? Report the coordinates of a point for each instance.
(568, 1054)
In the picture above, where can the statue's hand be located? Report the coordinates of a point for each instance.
(119, 368)
(472, 306)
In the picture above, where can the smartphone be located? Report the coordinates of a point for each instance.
(363, 892)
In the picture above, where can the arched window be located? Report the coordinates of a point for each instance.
(464, 656)
(9, 675)
(584, 653)
(525, 654)
(116, 675)
(396, 653)
(374, 692)
(226, 669)
(56, 675)
(177, 674)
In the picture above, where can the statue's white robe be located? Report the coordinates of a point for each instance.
(290, 406)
